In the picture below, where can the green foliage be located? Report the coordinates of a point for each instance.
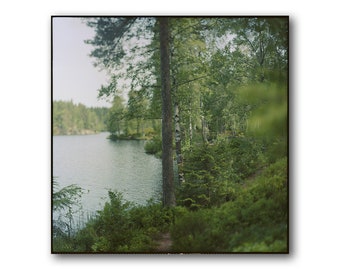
(121, 46)
(269, 118)
(119, 227)
(130, 121)
(244, 155)
(70, 119)
(116, 116)
(211, 59)
(154, 146)
(190, 232)
(65, 197)
(65, 203)
(112, 222)
(255, 221)
(212, 172)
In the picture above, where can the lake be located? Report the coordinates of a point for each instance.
(98, 164)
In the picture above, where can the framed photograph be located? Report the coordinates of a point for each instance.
(170, 135)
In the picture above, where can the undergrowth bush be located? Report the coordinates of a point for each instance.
(120, 227)
(256, 221)
(154, 146)
(213, 172)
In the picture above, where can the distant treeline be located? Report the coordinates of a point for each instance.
(72, 119)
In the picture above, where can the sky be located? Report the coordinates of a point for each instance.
(74, 76)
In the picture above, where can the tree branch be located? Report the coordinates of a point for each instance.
(195, 79)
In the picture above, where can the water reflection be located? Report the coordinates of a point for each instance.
(97, 165)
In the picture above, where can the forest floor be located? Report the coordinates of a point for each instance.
(164, 243)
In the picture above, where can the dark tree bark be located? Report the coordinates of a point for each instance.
(167, 160)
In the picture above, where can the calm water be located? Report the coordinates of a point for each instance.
(97, 165)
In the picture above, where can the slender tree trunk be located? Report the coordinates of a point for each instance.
(178, 138)
(190, 129)
(204, 124)
(178, 134)
(204, 130)
(178, 141)
(167, 161)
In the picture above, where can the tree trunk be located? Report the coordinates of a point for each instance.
(167, 161)
(204, 130)
(177, 134)
(178, 141)
(190, 130)
(178, 137)
(204, 124)
(190, 126)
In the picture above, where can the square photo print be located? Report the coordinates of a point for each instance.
(170, 135)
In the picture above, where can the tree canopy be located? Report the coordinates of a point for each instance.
(212, 62)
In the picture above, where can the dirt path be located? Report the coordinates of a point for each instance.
(164, 243)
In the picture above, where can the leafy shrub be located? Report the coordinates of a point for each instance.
(149, 132)
(65, 203)
(190, 232)
(153, 146)
(245, 155)
(211, 172)
(203, 186)
(254, 221)
(122, 227)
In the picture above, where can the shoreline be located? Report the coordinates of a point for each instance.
(82, 132)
